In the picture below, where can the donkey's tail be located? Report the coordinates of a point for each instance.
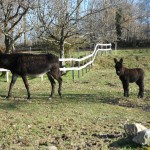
(64, 73)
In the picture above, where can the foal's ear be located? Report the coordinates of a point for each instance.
(121, 60)
(115, 60)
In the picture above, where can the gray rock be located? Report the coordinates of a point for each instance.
(52, 148)
(132, 129)
(143, 137)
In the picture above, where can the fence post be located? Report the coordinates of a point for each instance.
(86, 63)
(42, 77)
(106, 50)
(30, 49)
(89, 65)
(115, 48)
(83, 68)
(7, 76)
(73, 70)
(101, 50)
(111, 49)
(91, 61)
(46, 49)
(78, 70)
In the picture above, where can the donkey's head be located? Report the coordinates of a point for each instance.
(119, 66)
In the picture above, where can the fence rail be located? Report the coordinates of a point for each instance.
(7, 73)
(98, 47)
(89, 60)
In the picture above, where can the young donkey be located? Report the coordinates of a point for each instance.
(34, 65)
(129, 76)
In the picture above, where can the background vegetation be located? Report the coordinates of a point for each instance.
(63, 25)
(91, 115)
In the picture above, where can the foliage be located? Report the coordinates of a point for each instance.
(118, 23)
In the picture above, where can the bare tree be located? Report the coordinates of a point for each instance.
(12, 12)
(134, 21)
(60, 20)
(144, 18)
(57, 21)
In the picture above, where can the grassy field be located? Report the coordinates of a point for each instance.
(90, 116)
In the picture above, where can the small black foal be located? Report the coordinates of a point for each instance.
(129, 76)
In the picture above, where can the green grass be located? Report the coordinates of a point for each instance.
(92, 107)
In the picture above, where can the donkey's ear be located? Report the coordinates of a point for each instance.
(115, 60)
(121, 60)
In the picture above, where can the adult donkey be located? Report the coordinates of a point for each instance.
(33, 65)
(129, 76)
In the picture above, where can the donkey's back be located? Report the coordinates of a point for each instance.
(31, 64)
(134, 74)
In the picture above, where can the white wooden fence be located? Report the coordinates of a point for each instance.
(81, 62)
(98, 47)
(86, 61)
(7, 73)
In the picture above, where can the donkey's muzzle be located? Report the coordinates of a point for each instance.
(118, 73)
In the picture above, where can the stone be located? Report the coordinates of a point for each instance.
(52, 148)
(133, 129)
(143, 137)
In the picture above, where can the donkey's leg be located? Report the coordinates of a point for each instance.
(52, 81)
(140, 83)
(26, 85)
(57, 75)
(60, 86)
(126, 88)
(13, 80)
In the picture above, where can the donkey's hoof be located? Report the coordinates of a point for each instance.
(28, 97)
(7, 97)
(140, 96)
(49, 98)
(29, 101)
(126, 95)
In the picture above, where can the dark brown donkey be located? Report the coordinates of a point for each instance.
(34, 65)
(129, 76)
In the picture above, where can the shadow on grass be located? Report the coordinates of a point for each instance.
(125, 143)
(12, 103)
(8, 105)
(104, 98)
(96, 98)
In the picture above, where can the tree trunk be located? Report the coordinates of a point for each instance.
(8, 44)
(116, 48)
(62, 54)
(62, 41)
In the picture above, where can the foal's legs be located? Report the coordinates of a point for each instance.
(26, 85)
(13, 80)
(140, 83)
(126, 88)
